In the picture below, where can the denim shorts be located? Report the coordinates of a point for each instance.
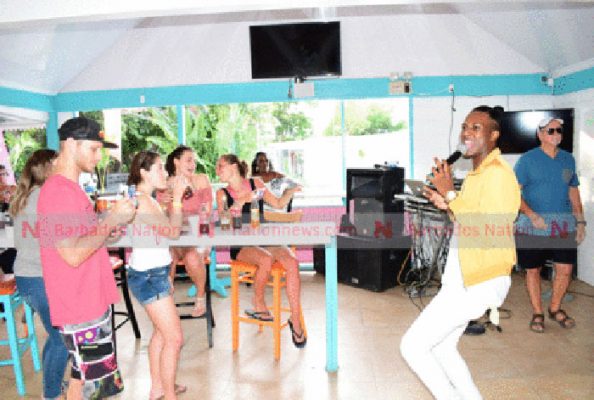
(150, 285)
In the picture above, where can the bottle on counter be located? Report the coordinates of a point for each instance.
(204, 220)
(236, 218)
(255, 211)
(224, 215)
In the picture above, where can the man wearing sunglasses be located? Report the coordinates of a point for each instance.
(551, 222)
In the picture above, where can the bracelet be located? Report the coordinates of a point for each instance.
(581, 223)
(177, 204)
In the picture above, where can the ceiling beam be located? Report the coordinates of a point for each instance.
(17, 13)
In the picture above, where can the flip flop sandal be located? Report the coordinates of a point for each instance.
(566, 321)
(537, 323)
(264, 316)
(302, 338)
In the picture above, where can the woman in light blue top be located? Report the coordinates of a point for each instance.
(27, 266)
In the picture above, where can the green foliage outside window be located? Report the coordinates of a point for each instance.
(211, 130)
(290, 124)
(362, 121)
(21, 144)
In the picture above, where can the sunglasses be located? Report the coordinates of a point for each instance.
(551, 131)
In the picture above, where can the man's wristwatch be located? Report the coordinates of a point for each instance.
(581, 223)
(450, 196)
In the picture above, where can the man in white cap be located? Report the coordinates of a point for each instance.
(551, 222)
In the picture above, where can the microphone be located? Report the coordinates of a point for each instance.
(460, 150)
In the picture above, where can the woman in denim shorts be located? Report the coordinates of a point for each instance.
(148, 275)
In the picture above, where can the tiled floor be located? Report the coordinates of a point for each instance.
(515, 364)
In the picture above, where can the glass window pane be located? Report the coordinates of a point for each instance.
(377, 132)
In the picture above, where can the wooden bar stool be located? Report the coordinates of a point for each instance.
(11, 300)
(242, 272)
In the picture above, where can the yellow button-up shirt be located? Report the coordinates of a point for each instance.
(485, 210)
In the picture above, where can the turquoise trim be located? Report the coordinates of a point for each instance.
(24, 99)
(411, 137)
(162, 96)
(181, 124)
(331, 279)
(479, 85)
(343, 139)
(274, 91)
(581, 80)
(51, 131)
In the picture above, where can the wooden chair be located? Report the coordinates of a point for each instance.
(180, 275)
(242, 272)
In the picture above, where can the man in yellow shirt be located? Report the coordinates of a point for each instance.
(482, 254)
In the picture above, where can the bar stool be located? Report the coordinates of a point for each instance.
(242, 272)
(119, 269)
(180, 275)
(11, 300)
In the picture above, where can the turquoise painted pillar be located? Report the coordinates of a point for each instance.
(343, 147)
(51, 131)
(181, 124)
(411, 136)
(331, 306)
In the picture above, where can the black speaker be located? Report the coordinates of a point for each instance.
(370, 263)
(370, 199)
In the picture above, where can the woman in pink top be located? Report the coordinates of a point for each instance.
(238, 195)
(197, 199)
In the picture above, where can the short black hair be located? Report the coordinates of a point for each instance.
(255, 169)
(495, 113)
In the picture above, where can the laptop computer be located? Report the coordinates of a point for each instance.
(416, 187)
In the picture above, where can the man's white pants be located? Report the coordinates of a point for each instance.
(430, 344)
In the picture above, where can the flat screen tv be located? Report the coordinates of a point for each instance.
(295, 50)
(518, 129)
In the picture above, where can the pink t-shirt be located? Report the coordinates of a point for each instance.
(192, 205)
(80, 294)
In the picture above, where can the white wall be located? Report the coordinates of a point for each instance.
(431, 126)
(583, 102)
(432, 119)
(187, 53)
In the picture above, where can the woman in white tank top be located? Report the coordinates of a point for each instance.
(148, 275)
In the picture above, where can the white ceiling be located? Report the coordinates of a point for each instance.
(57, 46)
